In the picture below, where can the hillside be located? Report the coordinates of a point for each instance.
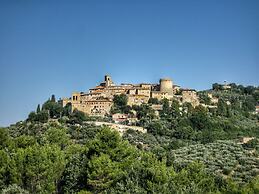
(210, 148)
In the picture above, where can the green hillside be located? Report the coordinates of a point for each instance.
(185, 149)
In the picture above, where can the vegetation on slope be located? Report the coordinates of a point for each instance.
(186, 150)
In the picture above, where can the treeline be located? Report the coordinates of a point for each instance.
(52, 109)
(87, 159)
(56, 151)
(243, 98)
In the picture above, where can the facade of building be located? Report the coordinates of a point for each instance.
(118, 117)
(99, 100)
(190, 96)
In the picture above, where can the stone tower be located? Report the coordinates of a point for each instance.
(166, 85)
(108, 80)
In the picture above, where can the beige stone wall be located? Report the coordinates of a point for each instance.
(144, 92)
(146, 86)
(137, 99)
(132, 91)
(161, 95)
(138, 94)
(75, 97)
(190, 96)
(93, 107)
(65, 101)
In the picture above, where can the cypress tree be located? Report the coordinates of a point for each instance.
(38, 108)
(53, 99)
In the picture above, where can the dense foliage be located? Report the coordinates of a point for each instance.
(185, 149)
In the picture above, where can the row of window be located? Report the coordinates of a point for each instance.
(92, 103)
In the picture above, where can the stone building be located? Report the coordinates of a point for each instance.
(118, 117)
(99, 100)
(190, 96)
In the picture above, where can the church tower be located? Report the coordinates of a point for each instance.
(108, 81)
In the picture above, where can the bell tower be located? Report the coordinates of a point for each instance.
(108, 80)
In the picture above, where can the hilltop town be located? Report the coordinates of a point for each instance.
(99, 100)
(137, 131)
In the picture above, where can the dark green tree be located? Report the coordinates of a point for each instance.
(40, 167)
(200, 119)
(153, 101)
(120, 100)
(216, 86)
(53, 98)
(249, 104)
(222, 108)
(120, 104)
(166, 108)
(67, 109)
(175, 110)
(38, 108)
(32, 116)
(77, 117)
(55, 109)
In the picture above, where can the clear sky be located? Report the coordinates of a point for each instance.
(57, 47)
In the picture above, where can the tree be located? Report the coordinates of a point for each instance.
(175, 110)
(8, 171)
(166, 108)
(216, 86)
(57, 136)
(249, 90)
(156, 128)
(42, 116)
(185, 132)
(204, 98)
(199, 118)
(32, 116)
(55, 109)
(120, 104)
(145, 114)
(194, 179)
(120, 100)
(67, 109)
(74, 177)
(103, 172)
(109, 157)
(38, 108)
(153, 101)
(53, 98)
(4, 138)
(222, 107)
(145, 175)
(249, 104)
(233, 85)
(40, 167)
(77, 117)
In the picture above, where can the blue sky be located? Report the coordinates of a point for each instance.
(57, 47)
